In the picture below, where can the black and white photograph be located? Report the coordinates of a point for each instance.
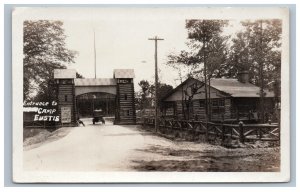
(158, 94)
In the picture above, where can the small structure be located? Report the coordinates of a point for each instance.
(116, 92)
(65, 96)
(230, 99)
(125, 100)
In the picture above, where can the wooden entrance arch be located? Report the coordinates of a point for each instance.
(121, 85)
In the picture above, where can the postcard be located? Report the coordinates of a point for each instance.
(150, 94)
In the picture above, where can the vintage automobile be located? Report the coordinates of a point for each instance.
(98, 116)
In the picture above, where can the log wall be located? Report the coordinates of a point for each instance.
(125, 104)
(66, 98)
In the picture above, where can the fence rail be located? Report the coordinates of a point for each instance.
(242, 132)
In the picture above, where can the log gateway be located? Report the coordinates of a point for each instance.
(115, 95)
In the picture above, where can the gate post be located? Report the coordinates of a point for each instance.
(125, 113)
(241, 127)
(223, 132)
(64, 79)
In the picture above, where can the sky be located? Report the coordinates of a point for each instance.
(121, 36)
(121, 41)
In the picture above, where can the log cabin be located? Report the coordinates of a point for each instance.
(228, 100)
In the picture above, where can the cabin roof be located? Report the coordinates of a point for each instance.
(95, 82)
(124, 73)
(238, 89)
(232, 87)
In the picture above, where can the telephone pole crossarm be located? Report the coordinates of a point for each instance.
(155, 39)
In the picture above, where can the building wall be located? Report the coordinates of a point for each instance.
(66, 101)
(220, 109)
(223, 106)
(242, 107)
(125, 112)
(228, 109)
(197, 105)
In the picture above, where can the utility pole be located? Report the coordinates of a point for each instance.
(156, 80)
(95, 53)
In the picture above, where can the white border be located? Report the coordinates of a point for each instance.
(107, 177)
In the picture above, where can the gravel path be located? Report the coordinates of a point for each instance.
(127, 148)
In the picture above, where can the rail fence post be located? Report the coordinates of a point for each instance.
(223, 132)
(206, 124)
(193, 131)
(260, 132)
(153, 123)
(143, 122)
(241, 127)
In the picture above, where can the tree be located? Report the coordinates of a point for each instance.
(162, 90)
(189, 93)
(145, 97)
(145, 86)
(258, 42)
(44, 50)
(207, 51)
(257, 49)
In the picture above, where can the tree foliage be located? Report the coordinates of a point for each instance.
(147, 92)
(162, 90)
(255, 48)
(259, 42)
(207, 52)
(205, 44)
(44, 50)
(144, 93)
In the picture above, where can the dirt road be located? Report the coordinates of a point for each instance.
(127, 148)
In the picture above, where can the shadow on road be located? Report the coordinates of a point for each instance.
(212, 160)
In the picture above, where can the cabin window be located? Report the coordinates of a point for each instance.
(202, 104)
(125, 96)
(218, 106)
(66, 97)
(222, 110)
(215, 103)
(215, 110)
(126, 112)
(218, 102)
(221, 102)
(218, 110)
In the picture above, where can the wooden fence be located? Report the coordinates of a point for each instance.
(242, 132)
